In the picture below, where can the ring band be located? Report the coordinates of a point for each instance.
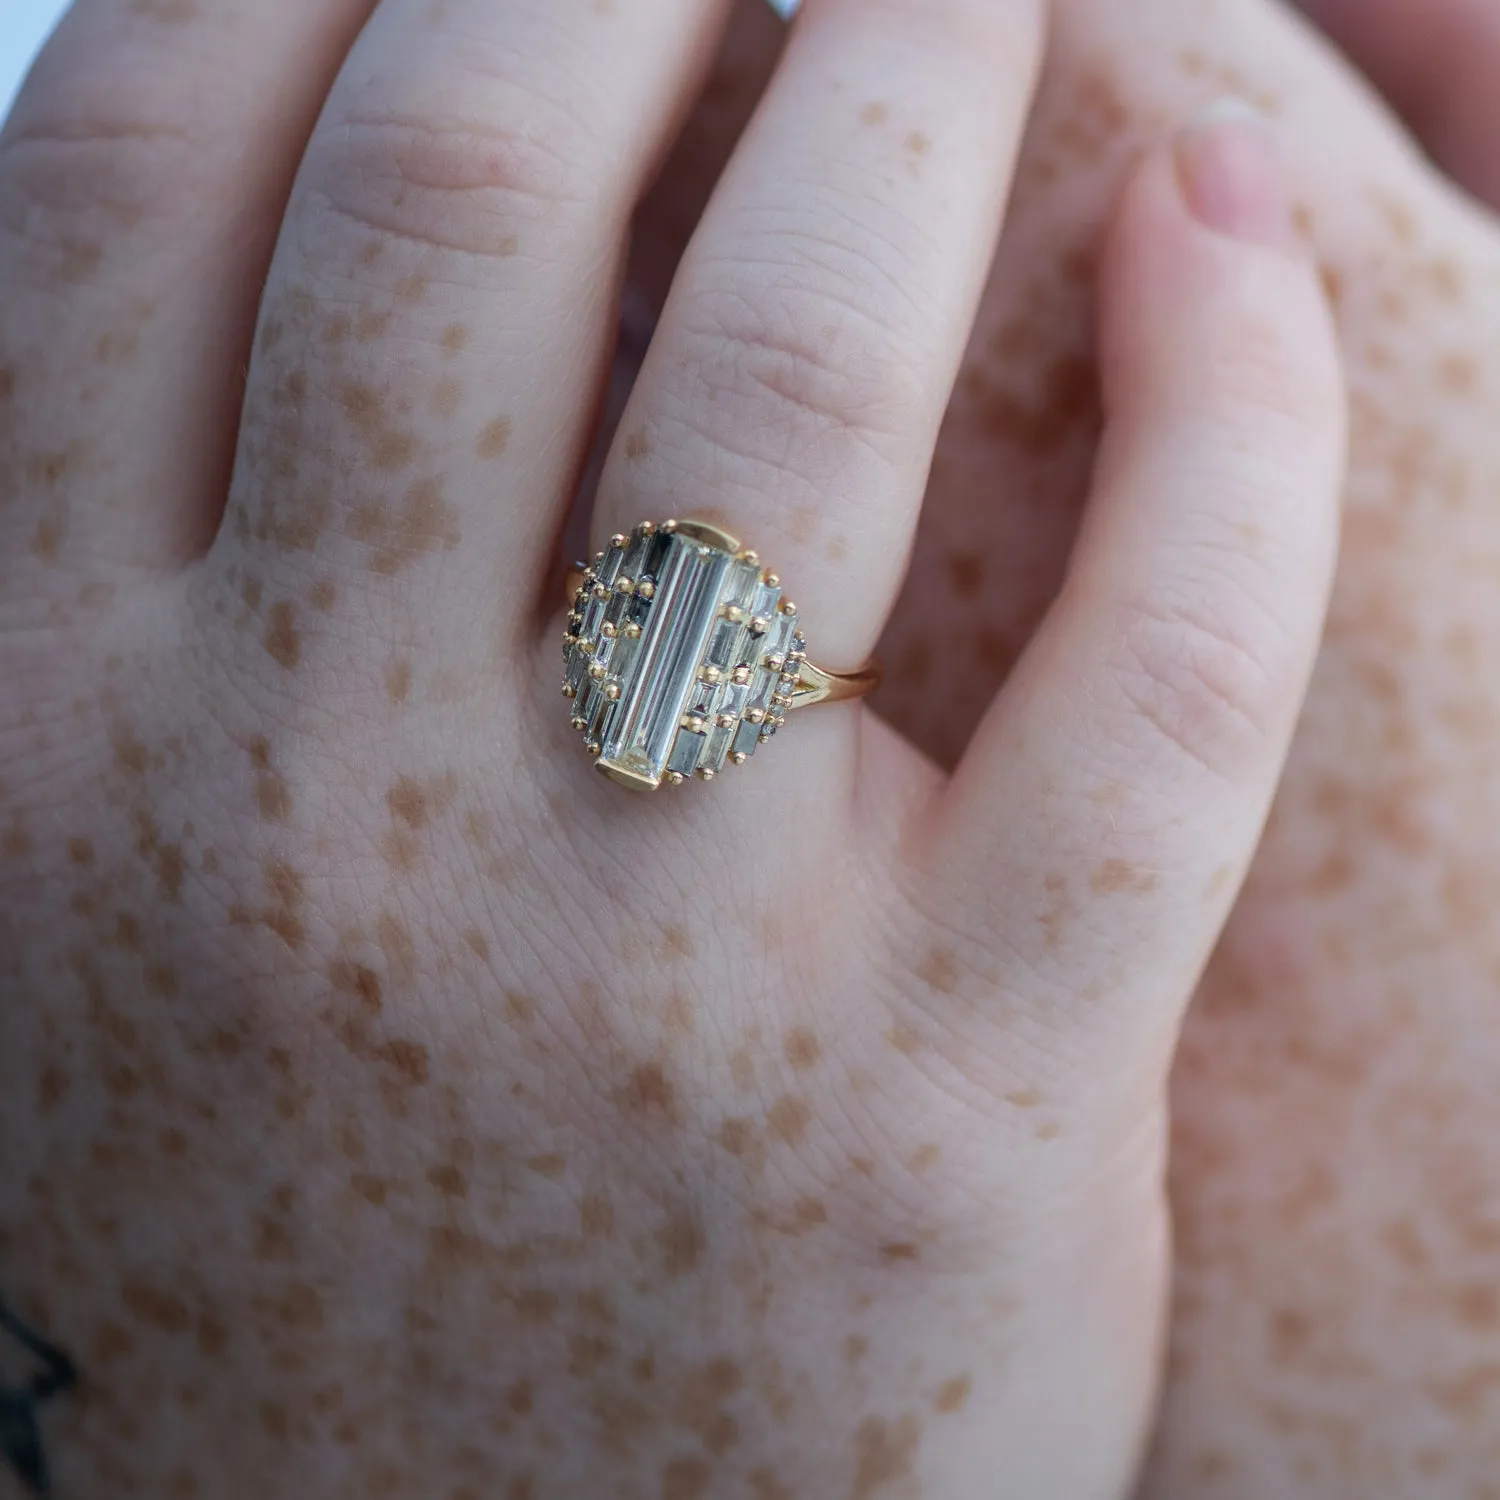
(682, 655)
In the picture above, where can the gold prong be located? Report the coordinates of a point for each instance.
(727, 720)
(759, 625)
(612, 691)
(586, 646)
(624, 585)
(779, 721)
(599, 591)
(608, 630)
(741, 677)
(749, 556)
(669, 527)
(779, 701)
(705, 773)
(618, 540)
(648, 528)
(633, 631)
(765, 737)
(756, 716)
(739, 757)
(711, 675)
(771, 580)
(598, 671)
(569, 691)
(775, 663)
(787, 607)
(646, 589)
(734, 614)
(579, 722)
(675, 778)
(594, 748)
(694, 723)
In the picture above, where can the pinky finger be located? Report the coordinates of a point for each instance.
(1120, 784)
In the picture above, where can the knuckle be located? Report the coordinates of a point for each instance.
(800, 354)
(86, 172)
(468, 188)
(1218, 685)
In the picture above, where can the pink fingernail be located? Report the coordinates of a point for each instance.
(1232, 176)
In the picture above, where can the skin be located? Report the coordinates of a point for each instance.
(388, 1105)
(1336, 1172)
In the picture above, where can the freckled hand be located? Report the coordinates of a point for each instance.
(369, 1065)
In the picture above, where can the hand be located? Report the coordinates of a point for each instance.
(1337, 1181)
(388, 1105)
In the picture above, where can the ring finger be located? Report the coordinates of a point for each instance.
(798, 377)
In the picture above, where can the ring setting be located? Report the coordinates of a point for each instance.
(682, 655)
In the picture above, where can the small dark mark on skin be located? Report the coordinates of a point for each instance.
(20, 1433)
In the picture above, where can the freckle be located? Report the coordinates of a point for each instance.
(47, 540)
(954, 1395)
(883, 1454)
(788, 1118)
(52, 1088)
(281, 638)
(407, 802)
(1458, 374)
(899, 1250)
(939, 971)
(904, 1039)
(686, 1478)
(1024, 1098)
(411, 1059)
(355, 979)
(918, 144)
(449, 1180)
(519, 1007)
(322, 595)
(374, 1190)
(520, 1397)
(676, 941)
(649, 1090)
(549, 1165)
(80, 852)
(966, 573)
(455, 338)
(411, 289)
(1048, 1132)
(495, 438)
(736, 1135)
(1478, 1307)
(802, 1049)
(130, 755)
(874, 114)
(636, 445)
(211, 862)
(536, 1305)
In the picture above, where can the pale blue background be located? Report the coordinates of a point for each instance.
(23, 26)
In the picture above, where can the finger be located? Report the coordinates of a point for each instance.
(1436, 61)
(143, 175)
(442, 303)
(1111, 801)
(800, 371)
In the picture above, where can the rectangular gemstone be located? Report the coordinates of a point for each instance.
(677, 628)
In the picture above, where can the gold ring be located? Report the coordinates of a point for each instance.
(683, 655)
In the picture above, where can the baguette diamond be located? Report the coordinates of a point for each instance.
(680, 654)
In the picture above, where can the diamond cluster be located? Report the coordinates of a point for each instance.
(681, 654)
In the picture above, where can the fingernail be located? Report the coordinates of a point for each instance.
(1232, 176)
